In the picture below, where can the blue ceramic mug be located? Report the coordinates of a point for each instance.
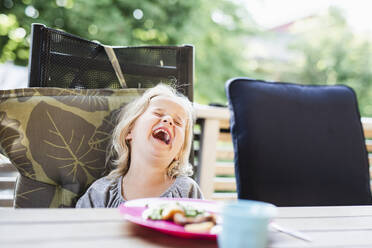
(245, 224)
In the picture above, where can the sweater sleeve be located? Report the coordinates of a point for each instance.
(85, 201)
(195, 191)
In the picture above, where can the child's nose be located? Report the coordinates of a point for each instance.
(168, 119)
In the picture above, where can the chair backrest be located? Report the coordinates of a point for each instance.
(298, 145)
(57, 139)
(60, 59)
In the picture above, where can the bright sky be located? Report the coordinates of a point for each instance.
(270, 13)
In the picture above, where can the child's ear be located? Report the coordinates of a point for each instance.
(129, 137)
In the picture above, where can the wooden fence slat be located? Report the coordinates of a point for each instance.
(368, 134)
(225, 123)
(225, 137)
(6, 203)
(224, 184)
(369, 145)
(367, 127)
(225, 168)
(225, 154)
(224, 196)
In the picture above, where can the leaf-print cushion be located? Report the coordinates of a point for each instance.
(57, 138)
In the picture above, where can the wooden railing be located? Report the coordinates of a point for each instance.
(216, 156)
(8, 175)
(367, 127)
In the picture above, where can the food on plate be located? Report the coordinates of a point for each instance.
(168, 212)
(192, 218)
(181, 219)
(200, 227)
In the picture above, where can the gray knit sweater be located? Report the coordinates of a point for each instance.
(106, 192)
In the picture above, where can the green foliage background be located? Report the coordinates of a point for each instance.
(327, 53)
(164, 22)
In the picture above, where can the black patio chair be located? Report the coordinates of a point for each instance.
(60, 59)
(298, 145)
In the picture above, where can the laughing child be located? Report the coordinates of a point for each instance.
(152, 143)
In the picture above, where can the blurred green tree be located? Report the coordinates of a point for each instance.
(326, 50)
(213, 27)
(337, 55)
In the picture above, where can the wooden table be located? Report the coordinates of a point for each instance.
(68, 228)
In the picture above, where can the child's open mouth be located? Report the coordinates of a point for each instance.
(162, 135)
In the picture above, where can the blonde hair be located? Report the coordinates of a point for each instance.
(120, 148)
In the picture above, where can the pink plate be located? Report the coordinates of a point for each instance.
(132, 211)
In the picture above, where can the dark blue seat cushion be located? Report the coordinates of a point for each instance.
(298, 145)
